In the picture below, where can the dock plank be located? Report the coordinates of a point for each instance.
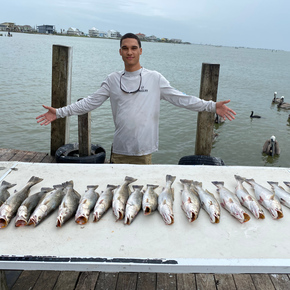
(127, 281)
(244, 281)
(67, 280)
(185, 281)
(205, 282)
(262, 282)
(46, 280)
(166, 281)
(146, 281)
(26, 280)
(107, 281)
(280, 281)
(225, 282)
(87, 280)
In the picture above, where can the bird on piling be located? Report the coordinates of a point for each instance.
(283, 105)
(254, 116)
(271, 147)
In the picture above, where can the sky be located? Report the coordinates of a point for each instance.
(241, 23)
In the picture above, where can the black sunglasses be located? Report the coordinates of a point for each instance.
(132, 91)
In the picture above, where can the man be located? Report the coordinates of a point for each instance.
(135, 95)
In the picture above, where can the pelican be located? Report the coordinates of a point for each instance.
(275, 99)
(271, 147)
(254, 116)
(283, 105)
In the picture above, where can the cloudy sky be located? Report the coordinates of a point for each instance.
(248, 23)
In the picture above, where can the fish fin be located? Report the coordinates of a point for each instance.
(68, 183)
(35, 180)
(46, 189)
(186, 181)
(57, 186)
(77, 194)
(197, 183)
(250, 180)
(287, 183)
(272, 183)
(137, 187)
(239, 178)
(112, 186)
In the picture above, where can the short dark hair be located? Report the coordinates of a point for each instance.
(130, 35)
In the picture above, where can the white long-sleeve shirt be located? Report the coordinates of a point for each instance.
(136, 115)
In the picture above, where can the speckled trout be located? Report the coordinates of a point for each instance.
(150, 199)
(4, 193)
(104, 202)
(11, 205)
(230, 202)
(87, 203)
(267, 199)
(120, 198)
(247, 200)
(69, 203)
(49, 203)
(190, 203)
(165, 201)
(208, 202)
(280, 193)
(133, 204)
(28, 205)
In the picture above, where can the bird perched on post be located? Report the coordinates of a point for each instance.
(271, 147)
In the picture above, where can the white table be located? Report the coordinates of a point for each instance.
(147, 245)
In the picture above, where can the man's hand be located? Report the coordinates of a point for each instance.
(48, 117)
(224, 111)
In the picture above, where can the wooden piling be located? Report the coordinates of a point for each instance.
(84, 129)
(60, 93)
(205, 120)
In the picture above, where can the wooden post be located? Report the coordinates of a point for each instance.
(60, 93)
(84, 129)
(205, 120)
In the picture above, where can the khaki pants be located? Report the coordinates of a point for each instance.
(127, 159)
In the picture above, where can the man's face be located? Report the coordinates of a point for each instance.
(130, 52)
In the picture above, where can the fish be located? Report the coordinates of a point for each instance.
(69, 203)
(287, 183)
(49, 203)
(134, 204)
(104, 202)
(190, 203)
(86, 204)
(4, 193)
(150, 199)
(28, 205)
(231, 203)
(280, 193)
(165, 201)
(11, 205)
(267, 199)
(247, 200)
(208, 202)
(120, 198)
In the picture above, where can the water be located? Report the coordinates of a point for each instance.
(249, 77)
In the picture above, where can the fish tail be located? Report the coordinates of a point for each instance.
(272, 183)
(218, 183)
(250, 180)
(239, 178)
(287, 183)
(46, 189)
(112, 187)
(34, 180)
(7, 184)
(58, 186)
(170, 178)
(92, 186)
(68, 183)
(186, 181)
(129, 179)
(137, 187)
(153, 186)
(197, 183)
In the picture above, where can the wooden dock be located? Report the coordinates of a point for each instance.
(123, 280)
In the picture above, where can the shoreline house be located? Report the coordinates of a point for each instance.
(94, 32)
(114, 34)
(46, 29)
(73, 31)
